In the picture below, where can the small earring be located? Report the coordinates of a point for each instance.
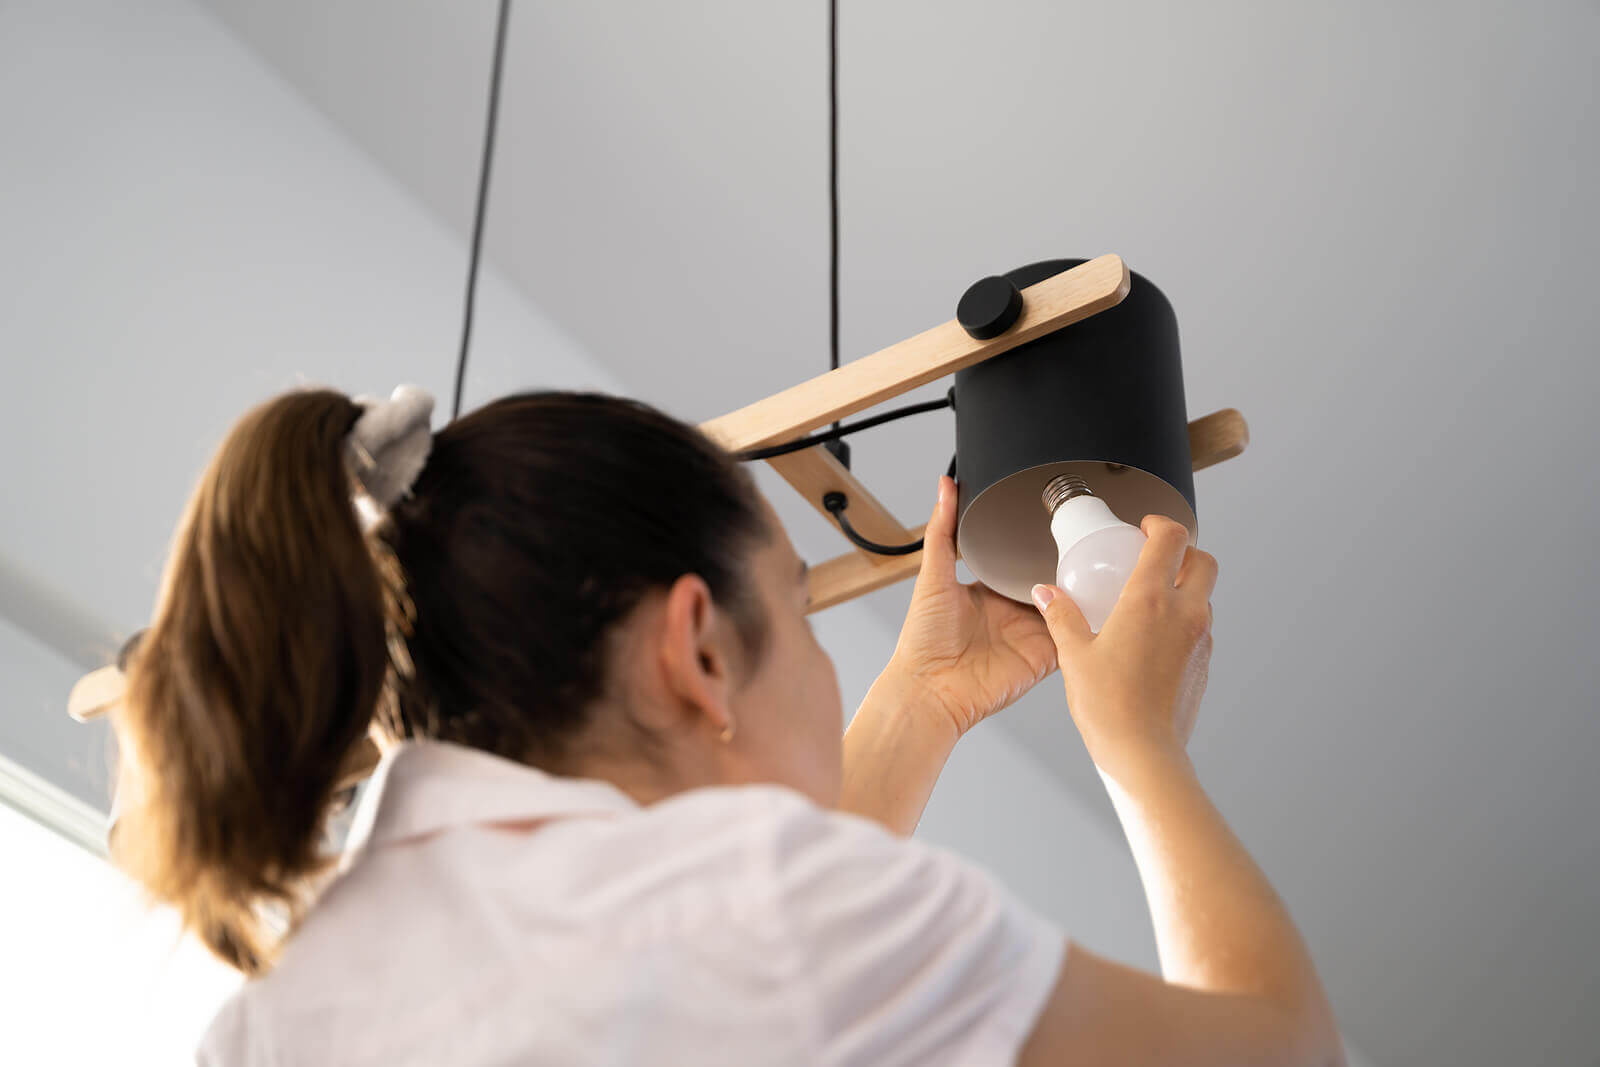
(727, 735)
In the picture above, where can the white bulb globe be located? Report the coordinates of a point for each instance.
(1098, 553)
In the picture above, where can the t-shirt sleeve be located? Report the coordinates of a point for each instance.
(908, 954)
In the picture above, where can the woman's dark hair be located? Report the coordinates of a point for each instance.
(479, 610)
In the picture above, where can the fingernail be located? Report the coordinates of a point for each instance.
(1042, 595)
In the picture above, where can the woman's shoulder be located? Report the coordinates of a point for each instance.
(779, 816)
(775, 841)
(793, 845)
(750, 801)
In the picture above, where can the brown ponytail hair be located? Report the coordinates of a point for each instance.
(475, 611)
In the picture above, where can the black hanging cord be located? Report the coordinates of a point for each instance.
(483, 201)
(802, 443)
(833, 187)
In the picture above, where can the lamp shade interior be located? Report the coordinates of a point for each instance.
(1004, 534)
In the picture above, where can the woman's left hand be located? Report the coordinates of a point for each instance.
(966, 647)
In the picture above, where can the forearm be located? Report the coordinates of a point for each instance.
(894, 750)
(1219, 925)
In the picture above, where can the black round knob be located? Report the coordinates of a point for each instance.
(989, 307)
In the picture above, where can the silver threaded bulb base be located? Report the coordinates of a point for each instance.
(1062, 488)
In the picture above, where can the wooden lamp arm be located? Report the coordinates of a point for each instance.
(1048, 305)
(1057, 301)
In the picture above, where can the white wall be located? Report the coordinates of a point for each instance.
(185, 236)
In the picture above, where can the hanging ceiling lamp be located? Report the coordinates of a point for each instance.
(1062, 368)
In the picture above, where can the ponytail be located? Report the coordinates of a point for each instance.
(257, 678)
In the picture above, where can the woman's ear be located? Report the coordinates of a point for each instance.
(693, 655)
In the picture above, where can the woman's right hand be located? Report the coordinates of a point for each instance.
(1134, 688)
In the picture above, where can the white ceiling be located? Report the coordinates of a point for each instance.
(1375, 222)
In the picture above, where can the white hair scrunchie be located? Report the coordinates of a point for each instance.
(389, 444)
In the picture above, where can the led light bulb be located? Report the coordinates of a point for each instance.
(1098, 550)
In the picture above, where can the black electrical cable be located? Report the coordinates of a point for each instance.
(802, 443)
(836, 503)
(483, 201)
(833, 187)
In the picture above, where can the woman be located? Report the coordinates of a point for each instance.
(615, 821)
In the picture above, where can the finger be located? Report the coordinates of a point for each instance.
(1068, 628)
(1198, 575)
(939, 539)
(1162, 554)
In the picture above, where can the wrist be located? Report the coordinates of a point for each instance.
(920, 702)
(893, 753)
(1137, 765)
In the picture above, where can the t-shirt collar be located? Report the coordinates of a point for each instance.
(420, 787)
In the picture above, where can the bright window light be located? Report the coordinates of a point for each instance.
(88, 972)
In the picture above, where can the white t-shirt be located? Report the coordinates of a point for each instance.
(722, 925)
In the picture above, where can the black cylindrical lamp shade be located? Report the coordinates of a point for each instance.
(1102, 399)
